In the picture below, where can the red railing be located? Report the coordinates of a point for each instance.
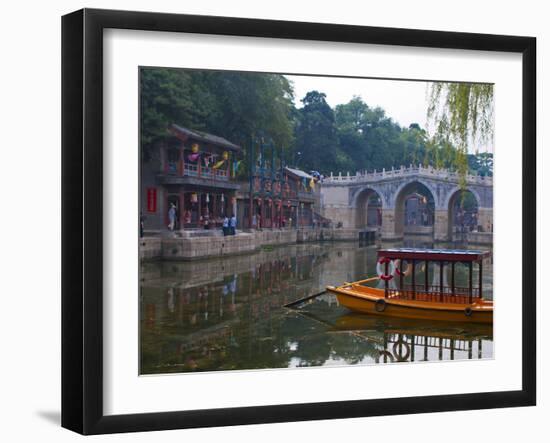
(189, 169)
(434, 293)
(195, 171)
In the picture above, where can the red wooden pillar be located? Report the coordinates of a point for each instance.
(199, 202)
(480, 293)
(214, 206)
(182, 210)
(441, 281)
(426, 276)
(453, 278)
(386, 282)
(401, 276)
(251, 210)
(414, 279)
(182, 162)
(163, 159)
(470, 284)
(165, 207)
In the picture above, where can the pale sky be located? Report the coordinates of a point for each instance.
(403, 101)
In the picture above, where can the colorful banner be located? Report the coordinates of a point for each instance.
(193, 157)
(219, 164)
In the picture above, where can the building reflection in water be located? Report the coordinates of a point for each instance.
(228, 313)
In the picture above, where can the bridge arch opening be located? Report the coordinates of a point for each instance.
(414, 210)
(463, 213)
(369, 209)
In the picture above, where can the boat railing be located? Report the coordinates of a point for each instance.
(460, 344)
(457, 290)
(404, 344)
(434, 293)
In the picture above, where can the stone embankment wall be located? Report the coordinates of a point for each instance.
(150, 247)
(418, 230)
(188, 247)
(475, 238)
(192, 273)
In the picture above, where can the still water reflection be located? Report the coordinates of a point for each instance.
(223, 314)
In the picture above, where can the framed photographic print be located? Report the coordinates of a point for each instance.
(270, 221)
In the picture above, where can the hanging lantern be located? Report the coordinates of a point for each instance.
(223, 198)
(207, 198)
(194, 198)
(195, 154)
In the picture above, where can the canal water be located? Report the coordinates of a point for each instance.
(228, 313)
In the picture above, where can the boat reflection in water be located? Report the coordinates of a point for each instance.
(227, 314)
(402, 340)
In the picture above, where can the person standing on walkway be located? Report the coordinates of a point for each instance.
(172, 217)
(233, 224)
(225, 225)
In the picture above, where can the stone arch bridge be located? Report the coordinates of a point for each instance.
(345, 198)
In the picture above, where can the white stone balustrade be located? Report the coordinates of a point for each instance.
(402, 172)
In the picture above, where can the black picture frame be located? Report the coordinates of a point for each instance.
(82, 215)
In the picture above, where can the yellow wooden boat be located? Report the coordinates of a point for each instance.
(402, 296)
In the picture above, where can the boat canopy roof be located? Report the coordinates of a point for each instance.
(456, 255)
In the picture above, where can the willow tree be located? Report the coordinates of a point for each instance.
(461, 115)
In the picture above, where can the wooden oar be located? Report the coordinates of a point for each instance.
(301, 300)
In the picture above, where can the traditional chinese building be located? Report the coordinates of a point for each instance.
(277, 196)
(193, 172)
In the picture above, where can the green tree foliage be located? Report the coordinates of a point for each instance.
(316, 142)
(481, 163)
(368, 139)
(462, 112)
(251, 105)
(236, 106)
(462, 115)
(354, 136)
(170, 96)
